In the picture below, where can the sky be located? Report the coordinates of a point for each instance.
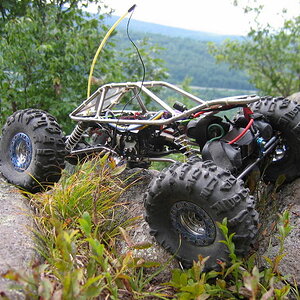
(215, 16)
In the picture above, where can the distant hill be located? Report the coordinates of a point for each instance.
(185, 53)
(186, 57)
(153, 28)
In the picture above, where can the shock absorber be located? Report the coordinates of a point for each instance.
(75, 136)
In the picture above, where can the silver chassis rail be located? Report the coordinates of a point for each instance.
(97, 99)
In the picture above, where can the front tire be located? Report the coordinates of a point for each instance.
(32, 150)
(184, 203)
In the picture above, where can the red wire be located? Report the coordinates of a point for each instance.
(198, 114)
(247, 112)
(242, 133)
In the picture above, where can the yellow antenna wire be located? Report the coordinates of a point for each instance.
(101, 47)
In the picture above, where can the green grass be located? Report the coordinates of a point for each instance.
(79, 223)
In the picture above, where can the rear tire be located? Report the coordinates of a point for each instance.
(32, 150)
(284, 116)
(184, 203)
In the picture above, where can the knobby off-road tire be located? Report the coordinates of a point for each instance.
(32, 150)
(184, 203)
(284, 116)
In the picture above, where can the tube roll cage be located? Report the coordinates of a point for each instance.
(93, 109)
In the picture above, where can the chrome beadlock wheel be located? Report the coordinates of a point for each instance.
(194, 224)
(20, 151)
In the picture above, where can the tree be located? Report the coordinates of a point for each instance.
(10, 9)
(271, 57)
(45, 57)
(132, 65)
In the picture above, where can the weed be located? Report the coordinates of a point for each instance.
(77, 226)
(241, 279)
(78, 223)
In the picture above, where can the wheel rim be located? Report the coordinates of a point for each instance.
(279, 153)
(193, 223)
(20, 151)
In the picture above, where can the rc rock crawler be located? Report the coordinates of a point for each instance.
(133, 123)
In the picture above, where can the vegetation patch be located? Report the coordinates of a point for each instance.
(77, 230)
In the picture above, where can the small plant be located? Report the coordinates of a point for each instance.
(78, 227)
(242, 279)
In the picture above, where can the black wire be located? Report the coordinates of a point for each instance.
(140, 58)
(143, 66)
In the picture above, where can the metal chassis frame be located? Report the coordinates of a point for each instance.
(136, 87)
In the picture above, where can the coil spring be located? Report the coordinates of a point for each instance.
(75, 136)
(182, 142)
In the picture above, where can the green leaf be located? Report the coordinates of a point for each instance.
(92, 280)
(234, 267)
(98, 248)
(183, 279)
(86, 223)
(93, 291)
(142, 246)
(176, 277)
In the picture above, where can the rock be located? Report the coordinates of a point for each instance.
(295, 97)
(132, 200)
(288, 198)
(17, 245)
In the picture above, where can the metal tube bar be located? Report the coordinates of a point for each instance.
(251, 166)
(159, 101)
(160, 159)
(100, 104)
(226, 101)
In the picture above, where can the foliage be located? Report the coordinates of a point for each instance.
(45, 60)
(10, 9)
(239, 280)
(79, 224)
(45, 56)
(269, 56)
